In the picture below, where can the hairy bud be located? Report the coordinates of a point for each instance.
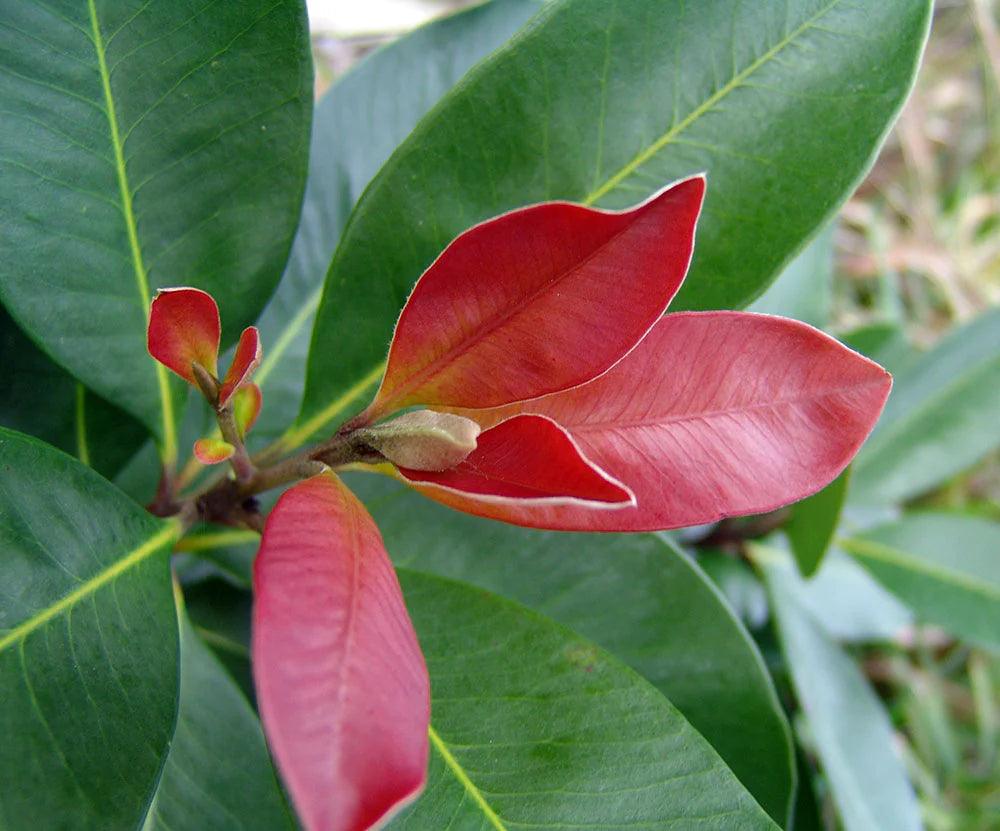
(425, 440)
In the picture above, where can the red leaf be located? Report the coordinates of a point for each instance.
(212, 451)
(245, 361)
(714, 414)
(342, 687)
(538, 300)
(526, 458)
(183, 329)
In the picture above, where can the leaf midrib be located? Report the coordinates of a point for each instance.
(170, 531)
(168, 447)
(459, 773)
(298, 436)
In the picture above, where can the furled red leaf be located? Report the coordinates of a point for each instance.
(245, 361)
(212, 451)
(183, 329)
(341, 683)
(538, 300)
(714, 414)
(527, 458)
(246, 407)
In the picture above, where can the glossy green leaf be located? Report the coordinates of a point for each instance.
(88, 645)
(43, 400)
(146, 145)
(849, 725)
(813, 521)
(220, 615)
(946, 567)
(534, 727)
(782, 103)
(940, 418)
(218, 774)
(357, 125)
(637, 596)
(804, 290)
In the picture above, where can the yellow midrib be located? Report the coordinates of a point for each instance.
(459, 773)
(168, 447)
(296, 436)
(170, 531)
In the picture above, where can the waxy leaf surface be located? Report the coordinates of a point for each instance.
(534, 727)
(245, 360)
(356, 126)
(783, 104)
(184, 329)
(88, 645)
(218, 773)
(848, 723)
(146, 145)
(637, 596)
(341, 683)
(714, 414)
(538, 300)
(524, 458)
(945, 567)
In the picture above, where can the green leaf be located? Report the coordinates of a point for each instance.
(534, 727)
(146, 146)
(220, 614)
(357, 125)
(804, 290)
(940, 419)
(848, 723)
(813, 521)
(88, 645)
(885, 343)
(637, 596)
(783, 103)
(43, 400)
(946, 567)
(218, 775)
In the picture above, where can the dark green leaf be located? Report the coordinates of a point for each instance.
(813, 521)
(783, 103)
(804, 290)
(146, 145)
(884, 343)
(534, 727)
(940, 419)
(42, 399)
(88, 645)
(220, 614)
(946, 567)
(637, 596)
(218, 775)
(357, 125)
(850, 728)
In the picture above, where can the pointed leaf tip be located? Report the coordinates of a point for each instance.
(525, 460)
(245, 361)
(538, 300)
(211, 451)
(184, 329)
(342, 686)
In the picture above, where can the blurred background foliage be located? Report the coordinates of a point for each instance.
(909, 273)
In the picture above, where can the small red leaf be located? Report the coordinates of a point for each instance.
(341, 683)
(211, 451)
(714, 414)
(246, 407)
(538, 300)
(183, 329)
(245, 361)
(526, 458)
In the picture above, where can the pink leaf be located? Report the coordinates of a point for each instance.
(525, 459)
(538, 300)
(714, 414)
(245, 361)
(212, 451)
(183, 329)
(341, 683)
